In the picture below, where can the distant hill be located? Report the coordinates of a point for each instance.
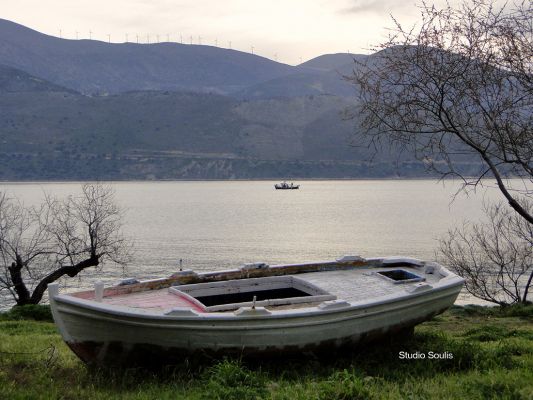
(175, 135)
(192, 123)
(320, 75)
(14, 80)
(305, 83)
(92, 67)
(95, 68)
(332, 62)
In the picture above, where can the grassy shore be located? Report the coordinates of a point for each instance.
(492, 359)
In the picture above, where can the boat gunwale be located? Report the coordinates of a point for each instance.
(113, 311)
(191, 277)
(184, 277)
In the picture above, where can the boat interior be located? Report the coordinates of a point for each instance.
(272, 287)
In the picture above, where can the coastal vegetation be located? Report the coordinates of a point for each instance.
(478, 353)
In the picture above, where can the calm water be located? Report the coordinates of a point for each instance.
(216, 225)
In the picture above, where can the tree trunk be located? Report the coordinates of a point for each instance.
(511, 200)
(71, 271)
(526, 290)
(15, 272)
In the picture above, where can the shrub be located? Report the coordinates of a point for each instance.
(34, 312)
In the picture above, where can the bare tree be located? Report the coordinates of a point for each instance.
(458, 87)
(495, 257)
(40, 245)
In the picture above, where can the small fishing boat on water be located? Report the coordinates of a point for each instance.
(286, 186)
(253, 310)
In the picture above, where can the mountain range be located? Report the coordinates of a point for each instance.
(85, 109)
(95, 68)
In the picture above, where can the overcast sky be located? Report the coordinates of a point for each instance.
(287, 30)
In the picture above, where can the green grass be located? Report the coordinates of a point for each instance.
(492, 359)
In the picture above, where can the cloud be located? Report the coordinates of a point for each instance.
(369, 6)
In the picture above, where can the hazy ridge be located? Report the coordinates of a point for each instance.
(80, 109)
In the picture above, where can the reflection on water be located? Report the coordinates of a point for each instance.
(223, 224)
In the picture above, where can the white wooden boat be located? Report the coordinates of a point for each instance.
(253, 310)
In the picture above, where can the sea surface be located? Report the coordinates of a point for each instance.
(212, 225)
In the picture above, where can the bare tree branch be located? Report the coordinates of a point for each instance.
(460, 87)
(39, 245)
(495, 258)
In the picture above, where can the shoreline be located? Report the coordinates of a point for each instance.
(437, 180)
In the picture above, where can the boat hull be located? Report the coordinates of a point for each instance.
(102, 336)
